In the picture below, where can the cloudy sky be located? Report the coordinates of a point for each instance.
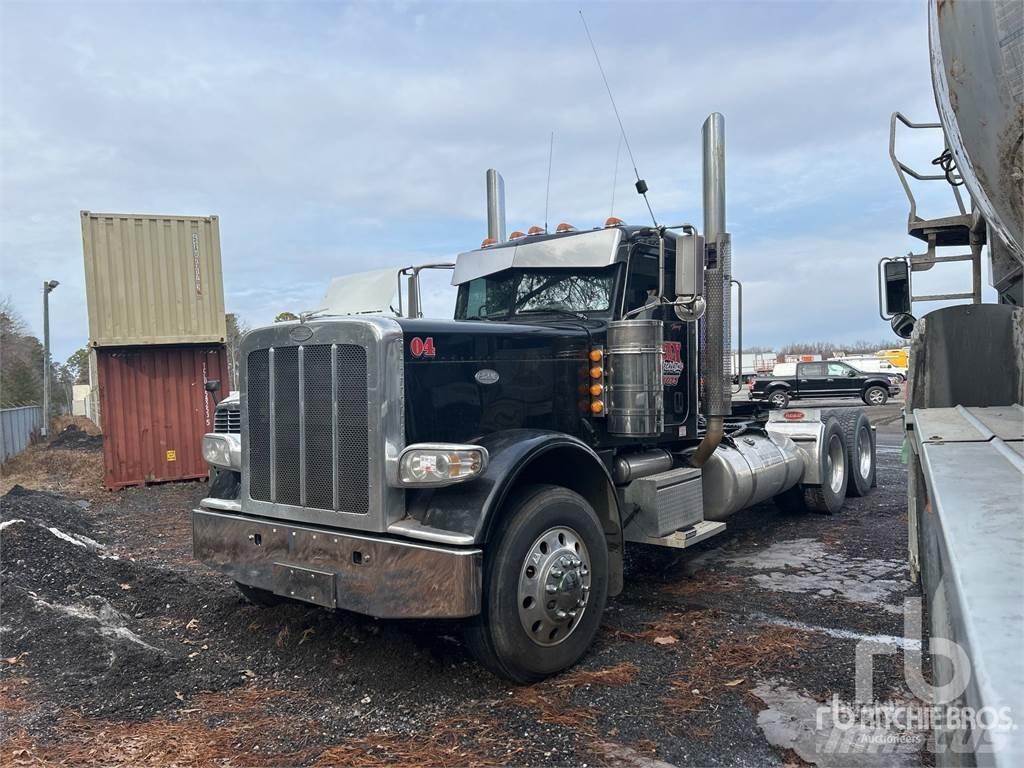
(334, 138)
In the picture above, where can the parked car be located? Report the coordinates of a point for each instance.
(823, 379)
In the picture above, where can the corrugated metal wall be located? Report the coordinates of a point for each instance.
(153, 279)
(17, 425)
(156, 410)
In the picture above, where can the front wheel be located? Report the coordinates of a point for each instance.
(875, 396)
(545, 585)
(779, 398)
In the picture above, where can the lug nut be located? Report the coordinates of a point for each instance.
(560, 614)
(572, 614)
(551, 588)
(556, 572)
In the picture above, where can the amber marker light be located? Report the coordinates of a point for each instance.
(596, 406)
(596, 390)
(596, 372)
(596, 355)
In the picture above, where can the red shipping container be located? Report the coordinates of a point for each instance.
(155, 410)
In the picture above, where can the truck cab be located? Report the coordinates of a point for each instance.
(493, 466)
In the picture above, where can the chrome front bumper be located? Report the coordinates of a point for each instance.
(382, 577)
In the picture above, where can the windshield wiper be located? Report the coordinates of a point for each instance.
(553, 311)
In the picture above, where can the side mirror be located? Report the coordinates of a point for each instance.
(851, 374)
(903, 325)
(212, 385)
(689, 266)
(896, 283)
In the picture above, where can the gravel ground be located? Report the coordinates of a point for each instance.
(118, 649)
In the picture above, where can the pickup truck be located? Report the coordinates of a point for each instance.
(825, 379)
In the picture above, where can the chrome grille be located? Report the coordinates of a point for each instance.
(308, 427)
(228, 419)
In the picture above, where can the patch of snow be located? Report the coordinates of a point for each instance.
(798, 722)
(77, 539)
(111, 623)
(905, 643)
(6, 523)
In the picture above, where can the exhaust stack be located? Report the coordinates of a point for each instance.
(716, 353)
(495, 206)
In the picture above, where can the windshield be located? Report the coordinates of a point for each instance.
(522, 292)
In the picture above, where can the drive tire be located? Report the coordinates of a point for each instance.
(828, 498)
(861, 461)
(778, 398)
(875, 395)
(499, 637)
(261, 597)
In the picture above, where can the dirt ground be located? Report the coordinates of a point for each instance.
(117, 649)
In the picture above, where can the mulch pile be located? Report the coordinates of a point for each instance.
(73, 438)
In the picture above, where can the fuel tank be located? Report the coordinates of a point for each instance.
(748, 469)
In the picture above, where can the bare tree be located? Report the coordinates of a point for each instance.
(237, 328)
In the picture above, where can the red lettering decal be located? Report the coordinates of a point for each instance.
(422, 347)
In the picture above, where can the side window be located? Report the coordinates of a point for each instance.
(838, 369)
(641, 280)
(811, 370)
(476, 302)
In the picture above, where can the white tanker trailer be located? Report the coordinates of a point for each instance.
(964, 414)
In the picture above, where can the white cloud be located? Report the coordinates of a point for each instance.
(333, 138)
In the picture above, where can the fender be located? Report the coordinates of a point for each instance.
(516, 455)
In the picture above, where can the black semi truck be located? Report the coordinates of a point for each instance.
(492, 467)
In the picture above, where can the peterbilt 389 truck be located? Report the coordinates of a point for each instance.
(493, 466)
(965, 385)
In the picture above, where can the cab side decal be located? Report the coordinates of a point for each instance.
(422, 347)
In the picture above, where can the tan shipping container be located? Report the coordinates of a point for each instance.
(152, 279)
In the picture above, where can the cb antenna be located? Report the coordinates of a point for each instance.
(641, 185)
(547, 191)
(615, 174)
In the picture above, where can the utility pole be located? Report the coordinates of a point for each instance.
(47, 287)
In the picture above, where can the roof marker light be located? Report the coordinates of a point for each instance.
(613, 221)
(565, 227)
(535, 230)
(488, 241)
(516, 235)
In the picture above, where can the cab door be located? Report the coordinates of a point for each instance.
(810, 379)
(841, 380)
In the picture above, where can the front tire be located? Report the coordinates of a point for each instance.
(545, 585)
(875, 396)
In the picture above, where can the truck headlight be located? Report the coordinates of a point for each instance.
(223, 450)
(435, 464)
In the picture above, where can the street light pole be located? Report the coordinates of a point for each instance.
(47, 287)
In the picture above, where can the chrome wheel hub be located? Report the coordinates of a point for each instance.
(864, 453)
(836, 463)
(554, 586)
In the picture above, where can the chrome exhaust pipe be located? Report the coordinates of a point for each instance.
(495, 206)
(716, 355)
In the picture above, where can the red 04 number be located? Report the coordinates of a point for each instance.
(422, 347)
